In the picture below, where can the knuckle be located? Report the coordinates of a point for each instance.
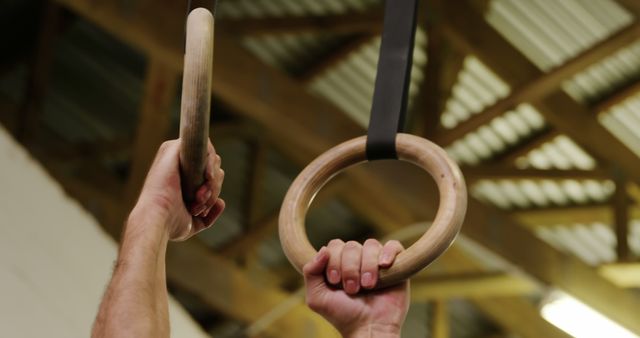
(352, 245)
(394, 243)
(372, 243)
(335, 242)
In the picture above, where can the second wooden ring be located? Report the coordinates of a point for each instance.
(419, 151)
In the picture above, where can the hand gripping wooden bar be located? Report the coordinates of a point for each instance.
(196, 101)
(419, 151)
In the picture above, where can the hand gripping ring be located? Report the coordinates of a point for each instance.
(419, 151)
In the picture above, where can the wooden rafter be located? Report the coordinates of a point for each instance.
(632, 6)
(39, 72)
(519, 316)
(444, 63)
(154, 123)
(535, 141)
(620, 205)
(474, 34)
(540, 84)
(625, 275)
(349, 23)
(255, 187)
(475, 285)
(550, 265)
(268, 225)
(351, 46)
(618, 97)
(195, 269)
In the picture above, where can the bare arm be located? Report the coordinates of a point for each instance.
(136, 301)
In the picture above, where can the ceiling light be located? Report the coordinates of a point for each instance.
(578, 319)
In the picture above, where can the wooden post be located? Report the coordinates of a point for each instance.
(440, 326)
(154, 123)
(621, 216)
(39, 72)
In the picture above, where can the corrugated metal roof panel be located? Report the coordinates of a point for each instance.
(593, 243)
(497, 136)
(476, 89)
(551, 32)
(350, 83)
(527, 194)
(558, 153)
(623, 120)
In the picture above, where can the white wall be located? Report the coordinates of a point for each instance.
(54, 259)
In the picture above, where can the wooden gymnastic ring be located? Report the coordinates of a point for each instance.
(196, 101)
(419, 151)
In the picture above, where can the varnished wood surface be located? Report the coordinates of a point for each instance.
(196, 100)
(421, 152)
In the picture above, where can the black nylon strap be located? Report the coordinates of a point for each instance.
(392, 81)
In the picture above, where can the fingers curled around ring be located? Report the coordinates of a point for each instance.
(351, 262)
(390, 250)
(334, 265)
(369, 269)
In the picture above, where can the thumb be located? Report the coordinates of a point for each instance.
(314, 273)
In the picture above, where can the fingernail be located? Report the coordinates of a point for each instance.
(367, 280)
(334, 277)
(351, 286)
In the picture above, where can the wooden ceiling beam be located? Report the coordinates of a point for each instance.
(618, 97)
(154, 123)
(39, 72)
(369, 22)
(620, 204)
(351, 46)
(535, 141)
(268, 225)
(520, 316)
(562, 112)
(478, 285)
(444, 63)
(538, 85)
(507, 238)
(223, 286)
(257, 173)
(625, 275)
(632, 6)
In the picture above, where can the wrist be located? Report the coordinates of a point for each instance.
(373, 331)
(147, 218)
(145, 226)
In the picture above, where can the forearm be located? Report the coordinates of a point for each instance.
(135, 303)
